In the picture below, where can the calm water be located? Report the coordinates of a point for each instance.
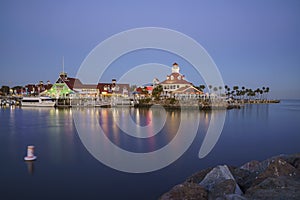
(66, 170)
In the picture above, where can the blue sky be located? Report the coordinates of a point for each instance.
(253, 43)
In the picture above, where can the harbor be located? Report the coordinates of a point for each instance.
(174, 92)
(255, 131)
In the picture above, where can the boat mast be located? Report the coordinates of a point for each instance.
(63, 64)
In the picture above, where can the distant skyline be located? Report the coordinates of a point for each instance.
(253, 43)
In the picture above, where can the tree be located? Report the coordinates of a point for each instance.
(5, 90)
(210, 87)
(132, 88)
(261, 94)
(215, 89)
(17, 89)
(243, 92)
(236, 89)
(263, 90)
(227, 88)
(267, 91)
(220, 90)
(202, 87)
(157, 92)
(249, 93)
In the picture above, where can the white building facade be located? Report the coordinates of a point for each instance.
(174, 81)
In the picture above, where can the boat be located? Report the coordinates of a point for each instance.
(37, 102)
(122, 102)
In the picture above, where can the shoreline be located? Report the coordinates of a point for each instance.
(170, 103)
(277, 177)
(203, 105)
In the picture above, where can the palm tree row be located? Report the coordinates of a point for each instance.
(242, 93)
(247, 93)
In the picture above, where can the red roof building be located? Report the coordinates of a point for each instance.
(176, 85)
(113, 88)
(174, 81)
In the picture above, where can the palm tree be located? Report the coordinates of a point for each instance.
(202, 87)
(263, 89)
(5, 89)
(228, 90)
(232, 93)
(220, 89)
(243, 92)
(157, 92)
(257, 92)
(236, 88)
(215, 89)
(261, 94)
(267, 91)
(249, 93)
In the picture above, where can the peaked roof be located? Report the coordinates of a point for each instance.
(177, 79)
(74, 83)
(188, 89)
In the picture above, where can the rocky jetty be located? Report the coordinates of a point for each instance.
(275, 178)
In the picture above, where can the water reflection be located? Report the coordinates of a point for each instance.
(135, 153)
(249, 134)
(256, 111)
(152, 128)
(49, 128)
(139, 130)
(140, 123)
(30, 167)
(293, 105)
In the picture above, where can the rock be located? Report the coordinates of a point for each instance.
(296, 164)
(274, 178)
(252, 166)
(254, 172)
(234, 197)
(275, 188)
(216, 176)
(199, 176)
(277, 167)
(292, 159)
(215, 182)
(244, 178)
(222, 188)
(186, 191)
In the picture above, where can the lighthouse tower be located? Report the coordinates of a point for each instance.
(175, 68)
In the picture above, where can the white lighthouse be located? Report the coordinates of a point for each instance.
(175, 68)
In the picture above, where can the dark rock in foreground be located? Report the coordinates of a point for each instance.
(275, 178)
(186, 191)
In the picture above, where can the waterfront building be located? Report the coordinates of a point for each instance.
(68, 87)
(177, 86)
(62, 88)
(143, 91)
(36, 89)
(113, 89)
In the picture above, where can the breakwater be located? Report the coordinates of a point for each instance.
(277, 177)
(200, 104)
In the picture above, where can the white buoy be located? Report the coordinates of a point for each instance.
(30, 154)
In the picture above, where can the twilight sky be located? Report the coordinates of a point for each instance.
(253, 43)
